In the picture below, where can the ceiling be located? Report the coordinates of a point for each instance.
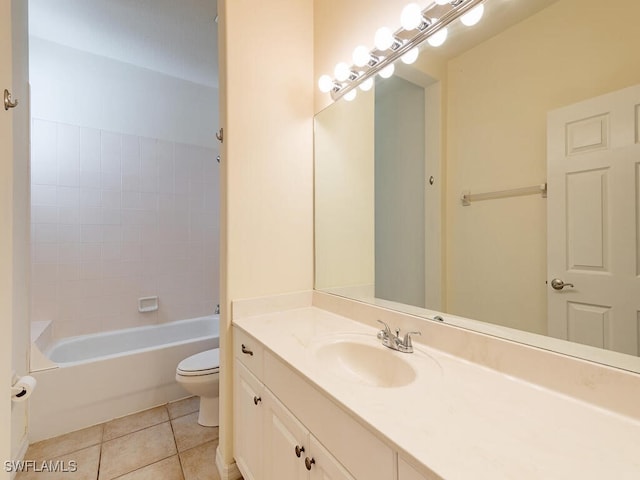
(174, 37)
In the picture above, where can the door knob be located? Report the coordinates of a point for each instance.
(8, 103)
(558, 284)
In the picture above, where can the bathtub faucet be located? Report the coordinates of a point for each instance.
(217, 312)
(394, 342)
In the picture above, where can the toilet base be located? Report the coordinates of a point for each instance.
(209, 415)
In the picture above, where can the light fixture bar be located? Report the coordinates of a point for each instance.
(444, 14)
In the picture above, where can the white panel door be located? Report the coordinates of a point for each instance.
(593, 229)
(285, 442)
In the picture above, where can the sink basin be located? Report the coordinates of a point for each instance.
(365, 361)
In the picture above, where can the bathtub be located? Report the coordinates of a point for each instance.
(90, 379)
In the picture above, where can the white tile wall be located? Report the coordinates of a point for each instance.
(116, 217)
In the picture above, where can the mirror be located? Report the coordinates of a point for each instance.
(391, 228)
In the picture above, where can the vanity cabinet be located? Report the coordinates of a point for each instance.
(248, 414)
(248, 392)
(407, 472)
(270, 443)
(291, 451)
(286, 429)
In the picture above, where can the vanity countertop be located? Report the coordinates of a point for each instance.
(460, 419)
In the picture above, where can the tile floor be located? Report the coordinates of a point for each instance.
(165, 443)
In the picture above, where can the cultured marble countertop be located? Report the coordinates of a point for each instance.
(459, 419)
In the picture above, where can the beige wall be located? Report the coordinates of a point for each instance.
(266, 65)
(267, 106)
(341, 25)
(6, 203)
(344, 193)
(497, 140)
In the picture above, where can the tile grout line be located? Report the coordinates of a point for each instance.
(100, 454)
(175, 442)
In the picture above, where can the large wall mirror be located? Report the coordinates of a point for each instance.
(484, 114)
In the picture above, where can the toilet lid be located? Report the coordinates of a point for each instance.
(203, 363)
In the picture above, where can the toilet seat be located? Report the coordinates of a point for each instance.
(200, 364)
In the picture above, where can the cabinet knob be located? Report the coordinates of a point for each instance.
(299, 450)
(246, 351)
(308, 462)
(257, 400)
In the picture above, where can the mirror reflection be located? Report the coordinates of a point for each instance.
(503, 108)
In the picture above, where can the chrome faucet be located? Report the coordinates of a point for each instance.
(394, 342)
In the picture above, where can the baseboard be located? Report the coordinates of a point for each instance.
(226, 472)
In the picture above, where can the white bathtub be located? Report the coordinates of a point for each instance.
(86, 380)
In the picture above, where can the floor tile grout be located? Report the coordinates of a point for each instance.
(103, 430)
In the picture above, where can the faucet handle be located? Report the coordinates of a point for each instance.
(386, 332)
(406, 342)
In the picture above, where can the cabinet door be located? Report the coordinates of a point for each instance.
(248, 423)
(323, 465)
(285, 442)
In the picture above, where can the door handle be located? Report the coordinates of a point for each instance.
(8, 103)
(558, 284)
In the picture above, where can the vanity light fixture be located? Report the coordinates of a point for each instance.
(473, 16)
(418, 25)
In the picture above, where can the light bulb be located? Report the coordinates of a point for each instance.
(383, 39)
(411, 56)
(438, 38)
(361, 56)
(443, 2)
(473, 16)
(325, 83)
(342, 71)
(350, 95)
(387, 71)
(411, 17)
(367, 84)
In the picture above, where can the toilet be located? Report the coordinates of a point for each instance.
(199, 375)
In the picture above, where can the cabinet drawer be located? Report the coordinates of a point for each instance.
(248, 351)
(364, 455)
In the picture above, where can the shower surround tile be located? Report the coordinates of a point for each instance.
(109, 206)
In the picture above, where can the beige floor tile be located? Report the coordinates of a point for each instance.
(133, 423)
(189, 433)
(86, 466)
(167, 469)
(135, 450)
(70, 442)
(199, 463)
(183, 407)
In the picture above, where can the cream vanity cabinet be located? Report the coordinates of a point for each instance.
(287, 430)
